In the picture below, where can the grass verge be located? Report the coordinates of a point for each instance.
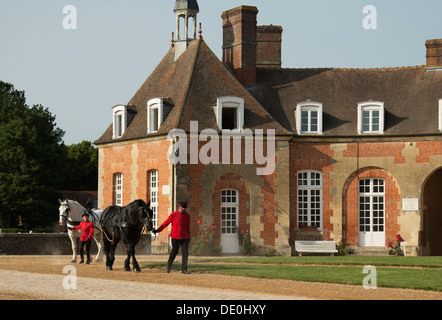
(423, 262)
(419, 273)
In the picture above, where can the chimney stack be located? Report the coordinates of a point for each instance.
(434, 53)
(239, 43)
(269, 39)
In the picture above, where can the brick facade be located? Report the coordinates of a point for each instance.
(260, 197)
(135, 161)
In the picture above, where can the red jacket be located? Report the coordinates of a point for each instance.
(87, 230)
(180, 225)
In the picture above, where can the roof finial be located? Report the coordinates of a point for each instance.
(200, 32)
(172, 40)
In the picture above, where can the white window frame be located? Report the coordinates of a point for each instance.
(440, 115)
(154, 104)
(225, 205)
(371, 106)
(230, 102)
(118, 188)
(308, 106)
(370, 191)
(119, 111)
(154, 194)
(309, 190)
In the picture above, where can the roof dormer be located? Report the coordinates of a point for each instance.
(371, 116)
(119, 113)
(157, 111)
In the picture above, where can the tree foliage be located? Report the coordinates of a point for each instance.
(35, 164)
(30, 153)
(81, 167)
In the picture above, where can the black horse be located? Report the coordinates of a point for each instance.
(125, 223)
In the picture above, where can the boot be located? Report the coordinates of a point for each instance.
(169, 265)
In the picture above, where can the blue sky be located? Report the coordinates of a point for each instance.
(80, 74)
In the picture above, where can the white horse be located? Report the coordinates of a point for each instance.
(71, 214)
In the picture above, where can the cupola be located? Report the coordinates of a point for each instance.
(186, 11)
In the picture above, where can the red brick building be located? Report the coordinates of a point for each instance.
(286, 154)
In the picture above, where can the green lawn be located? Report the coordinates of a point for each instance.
(431, 262)
(423, 273)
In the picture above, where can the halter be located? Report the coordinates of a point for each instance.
(65, 214)
(149, 218)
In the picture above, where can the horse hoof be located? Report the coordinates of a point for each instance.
(74, 261)
(137, 270)
(127, 269)
(109, 268)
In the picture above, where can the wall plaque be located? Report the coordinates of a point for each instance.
(410, 204)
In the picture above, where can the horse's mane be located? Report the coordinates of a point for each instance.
(75, 202)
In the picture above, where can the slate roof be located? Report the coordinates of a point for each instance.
(192, 84)
(410, 96)
(186, 4)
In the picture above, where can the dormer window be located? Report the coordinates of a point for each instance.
(371, 117)
(309, 118)
(157, 111)
(119, 120)
(230, 113)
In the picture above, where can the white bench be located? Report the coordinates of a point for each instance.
(316, 247)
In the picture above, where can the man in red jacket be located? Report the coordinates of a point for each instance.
(180, 235)
(87, 232)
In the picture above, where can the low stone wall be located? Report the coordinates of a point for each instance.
(56, 244)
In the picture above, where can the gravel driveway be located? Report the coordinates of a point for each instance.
(42, 277)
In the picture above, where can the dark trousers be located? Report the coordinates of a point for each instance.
(176, 243)
(88, 249)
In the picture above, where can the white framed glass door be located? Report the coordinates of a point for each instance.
(154, 196)
(118, 185)
(371, 213)
(229, 221)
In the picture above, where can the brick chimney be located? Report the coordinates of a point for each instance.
(239, 43)
(269, 39)
(434, 53)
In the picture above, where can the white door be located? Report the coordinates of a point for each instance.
(154, 196)
(371, 213)
(118, 189)
(229, 221)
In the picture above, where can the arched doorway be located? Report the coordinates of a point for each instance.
(230, 211)
(431, 235)
(370, 208)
